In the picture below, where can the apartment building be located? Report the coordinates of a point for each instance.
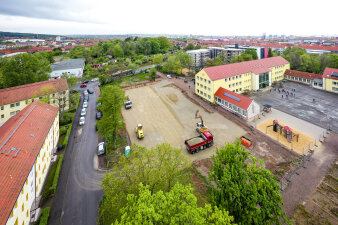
(226, 53)
(239, 77)
(14, 99)
(330, 79)
(200, 57)
(27, 141)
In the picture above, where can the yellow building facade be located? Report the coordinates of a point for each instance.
(238, 77)
(13, 100)
(23, 193)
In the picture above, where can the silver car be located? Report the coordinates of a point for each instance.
(83, 111)
(101, 148)
(82, 121)
(85, 104)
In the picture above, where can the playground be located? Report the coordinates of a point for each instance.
(289, 137)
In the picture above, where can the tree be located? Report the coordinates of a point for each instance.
(198, 47)
(160, 168)
(164, 44)
(132, 66)
(249, 192)
(77, 52)
(246, 57)
(270, 53)
(158, 59)
(218, 61)
(153, 73)
(252, 52)
(178, 206)
(71, 79)
(118, 51)
(112, 98)
(190, 46)
(25, 69)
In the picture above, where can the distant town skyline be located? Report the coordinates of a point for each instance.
(216, 18)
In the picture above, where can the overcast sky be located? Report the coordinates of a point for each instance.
(208, 17)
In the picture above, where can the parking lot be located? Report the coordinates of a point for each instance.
(312, 105)
(168, 116)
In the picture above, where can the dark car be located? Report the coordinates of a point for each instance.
(98, 115)
(86, 82)
(86, 97)
(90, 90)
(186, 80)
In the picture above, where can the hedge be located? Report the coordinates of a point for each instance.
(44, 216)
(51, 189)
(65, 141)
(66, 118)
(63, 130)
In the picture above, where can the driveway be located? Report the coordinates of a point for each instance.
(79, 193)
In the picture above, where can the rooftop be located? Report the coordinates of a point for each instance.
(69, 64)
(331, 73)
(255, 66)
(234, 98)
(28, 91)
(21, 139)
(306, 75)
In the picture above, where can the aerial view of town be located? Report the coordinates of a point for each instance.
(151, 112)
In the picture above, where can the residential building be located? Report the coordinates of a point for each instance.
(200, 57)
(68, 66)
(242, 106)
(27, 142)
(330, 79)
(312, 79)
(239, 77)
(14, 99)
(226, 53)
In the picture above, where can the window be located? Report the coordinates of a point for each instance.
(12, 113)
(209, 89)
(27, 197)
(229, 85)
(209, 96)
(236, 90)
(225, 79)
(12, 105)
(236, 83)
(205, 95)
(240, 76)
(17, 111)
(2, 107)
(209, 82)
(17, 104)
(233, 85)
(240, 89)
(334, 89)
(2, 116)
(233, 78)
(23, 207)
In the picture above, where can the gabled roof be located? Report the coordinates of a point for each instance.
(234, 98)
(28, 91)
(25, 134)
(256, 66)
(328, 72)
(69, 64)
(306, 75)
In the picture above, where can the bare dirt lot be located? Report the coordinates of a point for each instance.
(168, 116)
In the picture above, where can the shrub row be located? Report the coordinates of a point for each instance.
(65, 141)
(44, 216)
(51, 189)
(67, 118)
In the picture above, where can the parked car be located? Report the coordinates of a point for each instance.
(128, 104)
(85, 92)
(86, 98)
(101, 148)
(98, 115)
(169, 76)
(86, 82)
(186, 80)
(82, 120)
(95, 79)
(83, 85)
(90, 90)
(85, 104)
(83, 111)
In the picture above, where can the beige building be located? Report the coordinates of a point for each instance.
(27, 142)
(14, 99)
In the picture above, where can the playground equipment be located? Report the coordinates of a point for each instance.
(285, 131)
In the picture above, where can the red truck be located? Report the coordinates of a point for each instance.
(195, 144)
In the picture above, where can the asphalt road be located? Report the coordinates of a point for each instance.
(79, 193)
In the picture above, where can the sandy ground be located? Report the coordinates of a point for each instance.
(302, 146)
(168, 116)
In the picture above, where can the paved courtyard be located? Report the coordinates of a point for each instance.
(315, 106)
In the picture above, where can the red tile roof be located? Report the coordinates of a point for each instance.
(328, 73)
(244, 102)
(301, 74)
(260, 65)
(28, 91)
(26, 131)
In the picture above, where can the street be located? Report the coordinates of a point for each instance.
(78, 194)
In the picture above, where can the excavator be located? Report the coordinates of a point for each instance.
(201, 127)
(139, 131)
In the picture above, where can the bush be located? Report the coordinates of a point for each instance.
(56, 176)
(44, 216)
(65, 141)
(66, 118)
(63, 130)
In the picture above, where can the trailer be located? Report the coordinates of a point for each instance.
(201, 142)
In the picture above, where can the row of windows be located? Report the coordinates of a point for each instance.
(334, 83)
(12, 105)
(205, 80)
(237, 83)
(205, 87)
(204, 94)
(278, 67)
(231, 106)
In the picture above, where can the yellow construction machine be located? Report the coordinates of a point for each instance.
(201, 127)
(139, 131)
